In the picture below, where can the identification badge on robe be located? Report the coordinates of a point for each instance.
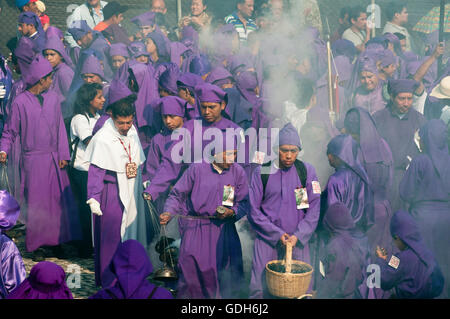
(394, 262)
(322, 269)
(301, 198)
(228, 196)
(316, 187)
(131, 170)
(258, 158)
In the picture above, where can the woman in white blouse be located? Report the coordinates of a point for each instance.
(89, 102)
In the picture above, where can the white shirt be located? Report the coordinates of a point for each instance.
(393, 28)
(357, 38)
(81, 126)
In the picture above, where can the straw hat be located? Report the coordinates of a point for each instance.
(442, 91)
(40, 5)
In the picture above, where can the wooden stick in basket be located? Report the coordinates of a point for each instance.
(288, 261)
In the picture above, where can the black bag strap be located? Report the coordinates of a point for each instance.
(152, 293)
(301, 172)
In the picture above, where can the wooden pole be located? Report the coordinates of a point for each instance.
(330, 82)
(441, 34)
(179, 10)
(373, 19)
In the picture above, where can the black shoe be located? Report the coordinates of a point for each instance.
(38, 255)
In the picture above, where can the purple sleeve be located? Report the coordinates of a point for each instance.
(308, 224)
(180, 193)
(95, 183)
(411, 179)
(390, 277)
(242, 204)
(65, 80)
(13, 270)
(168, 172)
(11, 129)
(334, 192)
(258, 219)
(152, 162)
(63, 142)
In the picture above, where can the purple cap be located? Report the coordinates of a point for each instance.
(137, 49)
(147, 18)
(118, 91)
(55, 32)
(119, 49)
(387, 58)
(210, 93)
(171, 105)
(396, 87)
(219, 76)
(39, 68)
(92, 65)
(78, 29)
(367, 65)
(168, 79)
(24, 53)
(55, 44)
(29, 17)
(200, 65)
(289, 136)
(9, 210)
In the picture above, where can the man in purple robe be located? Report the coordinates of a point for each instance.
(414, 272)
(186, 90)
(210, 197)
(397, 125)
(168, 81)
(343, 257)
(37, 121)
(118, 55)
(370, 94)
(425, 187)
(12, 268)
(115, 184)
(131, 267)
(88, 39)
(279, 213)
(30, 26)
(47, 280)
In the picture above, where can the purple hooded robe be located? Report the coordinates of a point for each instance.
(52, 214)
(210, 257)
(47, 280)
(274, 212)
(131, 267)
(414, 273)
(426, 188)
(12, 268)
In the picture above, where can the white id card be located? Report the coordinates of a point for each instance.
(301, 198)
(228, 196)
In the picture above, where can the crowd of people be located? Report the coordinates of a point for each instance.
(100, 130)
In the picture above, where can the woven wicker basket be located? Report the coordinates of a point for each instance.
(288, 285)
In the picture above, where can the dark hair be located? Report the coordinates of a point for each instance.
(124, 107)
(355, 12)
(394, 7)
(344, 11)
(400, 36)
(85, 94)
(305, 91)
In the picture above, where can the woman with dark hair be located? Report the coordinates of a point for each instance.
(89, 101)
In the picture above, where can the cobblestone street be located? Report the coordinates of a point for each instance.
(70, 264)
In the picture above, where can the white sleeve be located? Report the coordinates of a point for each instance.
(419, 102)
(79, 127)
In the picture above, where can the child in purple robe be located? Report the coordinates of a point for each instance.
(425, 187)
(276, 215)
(12, 268)
(131, 267)
(47, 280)
(45, 153)
(414, 272)
(160, 170)
(210, 197)
(343, 257)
